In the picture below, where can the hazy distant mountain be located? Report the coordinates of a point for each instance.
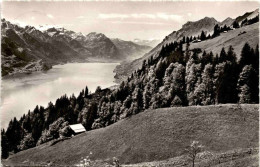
(194, 29)
(131, 50)
(152, 42)
(101, 46)
(94, 45)
(228, 22)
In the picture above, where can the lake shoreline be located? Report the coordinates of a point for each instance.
(49, 66)
(25, 91)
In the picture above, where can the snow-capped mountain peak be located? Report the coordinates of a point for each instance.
(95, 36)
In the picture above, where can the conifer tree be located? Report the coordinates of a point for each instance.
(203, 59)
(216, 31)
(187, 53)
(225, 82)
(255, 61)
(4, 145)
(231, 56)
(184, 40)
(187, 40)
(203, 36)
(235, 24)
(191, 38)
(98, 89)
(222, 56)
(14, 135)
(86, 91)
(246, 56)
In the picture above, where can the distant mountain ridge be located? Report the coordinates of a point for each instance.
(228, 22)
(28, 45)
(131, 48)
(152, 42)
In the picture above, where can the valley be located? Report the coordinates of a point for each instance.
(190, 100)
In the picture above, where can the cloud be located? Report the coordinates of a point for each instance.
(189, 14)
(47, 26)
(19, 23)
(113, 16)
(163, 16)
(143, 15)
(50, 16)
(136, 22)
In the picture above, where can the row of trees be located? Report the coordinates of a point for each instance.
(173, 78)
(203, 36)
(246, 22)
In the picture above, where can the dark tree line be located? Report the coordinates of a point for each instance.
(246, 22)
(203, 36)
(250, 21)
(173, 78)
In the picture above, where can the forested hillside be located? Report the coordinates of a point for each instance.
(174, 78)
(173, 74)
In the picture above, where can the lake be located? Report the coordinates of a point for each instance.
(22, 92)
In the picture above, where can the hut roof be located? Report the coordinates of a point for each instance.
(78, 128)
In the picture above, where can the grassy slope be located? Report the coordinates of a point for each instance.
(231, 38)
(233, 158)
(156, 135)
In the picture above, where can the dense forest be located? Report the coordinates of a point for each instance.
(177, 77)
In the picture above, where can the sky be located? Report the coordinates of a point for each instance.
(125, 20)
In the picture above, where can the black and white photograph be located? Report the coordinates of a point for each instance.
(129, 83)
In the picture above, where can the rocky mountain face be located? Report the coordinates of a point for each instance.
(27, 49)
(189, 29)
(130, 48)
(193, 29)
(100, 46)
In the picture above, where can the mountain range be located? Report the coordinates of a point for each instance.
(130, 48)
(27, 49)
(151, 42)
